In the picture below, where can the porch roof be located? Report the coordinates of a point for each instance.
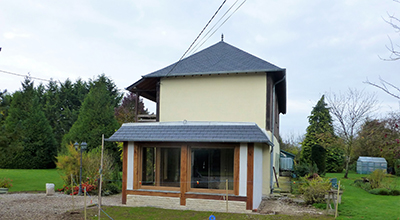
(216, 132)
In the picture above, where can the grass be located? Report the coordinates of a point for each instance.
(356, 203)
(156, 213)
(31, 180)
(359, 204)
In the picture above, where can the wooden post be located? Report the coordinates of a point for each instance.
(101, 174)
(137, 107)
(85, 203)
(337, 200)
(250, 177)
(72, 190)
(226, 195)
(184, 170)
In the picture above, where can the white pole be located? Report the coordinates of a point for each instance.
(226, 195)
(101, 174)
(72, 192)
(337, 201)
(85, 203)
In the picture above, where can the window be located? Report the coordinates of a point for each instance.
(161, 166)
(207, 167)
(211, 167)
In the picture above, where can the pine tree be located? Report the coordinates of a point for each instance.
(319, 133)
(96, 117)
(31, 143)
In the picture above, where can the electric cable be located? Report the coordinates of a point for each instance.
(222, 24)
(196, 46)
(197, 37)
(22, 75)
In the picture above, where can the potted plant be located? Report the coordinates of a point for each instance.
(5, 184)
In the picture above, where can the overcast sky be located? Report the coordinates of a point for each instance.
(324, 45)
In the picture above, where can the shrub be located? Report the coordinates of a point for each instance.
(396, 192)
(5, 183)
(69, 163)
(380, 191)
(314, 189)
(303, 169)
(397, 167)
(376, 178)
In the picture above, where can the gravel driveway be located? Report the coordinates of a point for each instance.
(40, 206)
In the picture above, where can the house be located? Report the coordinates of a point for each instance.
(215, 138)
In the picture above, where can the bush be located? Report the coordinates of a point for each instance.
(397, 167)
(303, 169)
(380, 191)
(69, 163)
(395, 192)
(376, 178)
(5, 183)
(363, 185)
(314, 189)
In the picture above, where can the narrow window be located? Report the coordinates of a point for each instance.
(161, 166)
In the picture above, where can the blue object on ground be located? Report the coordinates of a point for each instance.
(334, 182)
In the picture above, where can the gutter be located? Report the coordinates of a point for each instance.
(272, 135)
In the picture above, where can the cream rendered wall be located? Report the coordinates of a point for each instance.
(266, 174)
(267, 162)
(129, 178)
(258, 175)
(233, 98)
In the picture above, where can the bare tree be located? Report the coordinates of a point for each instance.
(350, 109)
(393, 48)
(387, 87)
(395, 55)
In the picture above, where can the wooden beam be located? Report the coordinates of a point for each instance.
(124, 171)
(153, 193)
(250, 175)
(137, 107)
(236, 168)
(158, 101)
(215, 197)
(269, 104)
(184, 172)
(136, 164)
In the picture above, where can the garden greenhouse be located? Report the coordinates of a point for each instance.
(367, 165)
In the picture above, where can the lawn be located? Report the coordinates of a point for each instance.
(356, 203)
(359, 204)
(156, 213)
(31, 180)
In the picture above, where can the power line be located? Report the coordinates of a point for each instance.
(221, 24)
(197, 45)
(197, 37)
(22, 75)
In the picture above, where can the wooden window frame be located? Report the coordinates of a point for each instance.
(185, 169)
(236, 156)
(139, 165)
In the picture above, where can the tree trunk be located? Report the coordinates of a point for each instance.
(347, 167)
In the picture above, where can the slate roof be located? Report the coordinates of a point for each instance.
(218, 58)
(215, 132)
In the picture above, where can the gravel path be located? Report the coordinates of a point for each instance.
(40, 206)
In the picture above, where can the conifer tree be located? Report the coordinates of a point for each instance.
(31, 143)
(96, 117)
(320, 133)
